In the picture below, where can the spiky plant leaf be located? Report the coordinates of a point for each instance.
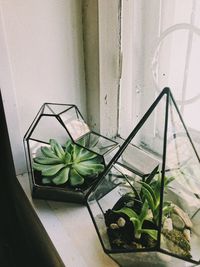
(144, 211)
(147, 195)
(128, 211)
(150, 192)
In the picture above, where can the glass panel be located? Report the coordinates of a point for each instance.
(152, 259)
(55, 109)
(97, 143)
(48, 127)
(74, 123)
(181, 222)
(149, 198)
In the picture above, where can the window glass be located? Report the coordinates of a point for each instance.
(160, 45)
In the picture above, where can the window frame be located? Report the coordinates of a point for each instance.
(102, 63)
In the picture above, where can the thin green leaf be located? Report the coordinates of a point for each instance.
(75, 178)
(144, 211)
(152, 233)
(137, 224)
(149, 198)
(46, 160)
(62, 177)
(137, 195)
(127, 211)
(150, 190)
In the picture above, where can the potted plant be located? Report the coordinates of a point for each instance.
(146, 206)
(64, 157)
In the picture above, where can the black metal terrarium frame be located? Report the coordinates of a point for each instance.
(124, 255)
(68, 118)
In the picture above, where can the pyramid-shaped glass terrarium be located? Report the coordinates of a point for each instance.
(146, 207)
(64, 157)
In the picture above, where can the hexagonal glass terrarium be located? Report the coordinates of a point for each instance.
(146, 206)
(64, 157)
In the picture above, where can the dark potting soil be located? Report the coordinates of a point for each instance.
(123, 237)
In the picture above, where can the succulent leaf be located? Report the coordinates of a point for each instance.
(47, 152)
(67, 158)
(62, 177)
(76, 178)
(76, 151)
(88, 168)
(57, 148)
(48, 170)
(46, 160)
(68, 146)
(85, 155)
(71, 163)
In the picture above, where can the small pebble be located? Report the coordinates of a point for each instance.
(114, 226)
(187, 234)
(121, 222)
(177, 222)
(183, 215)
(167, 225)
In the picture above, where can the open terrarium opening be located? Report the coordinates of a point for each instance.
(149, 198)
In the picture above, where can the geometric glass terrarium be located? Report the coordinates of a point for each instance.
(64, 157)
(146, 207)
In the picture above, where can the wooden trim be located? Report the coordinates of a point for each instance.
(102, 43)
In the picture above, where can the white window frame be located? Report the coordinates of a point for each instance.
(140, 40)
(102, 29)
(134, 66)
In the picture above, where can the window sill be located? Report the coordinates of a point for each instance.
(70, 229)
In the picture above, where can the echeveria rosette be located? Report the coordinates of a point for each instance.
(71, 163)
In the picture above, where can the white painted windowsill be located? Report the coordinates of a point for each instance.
(70, 229)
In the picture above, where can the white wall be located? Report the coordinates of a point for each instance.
(41, 55)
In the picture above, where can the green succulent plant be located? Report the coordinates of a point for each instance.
(71, 163)
(138, 220)
(148, 198)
